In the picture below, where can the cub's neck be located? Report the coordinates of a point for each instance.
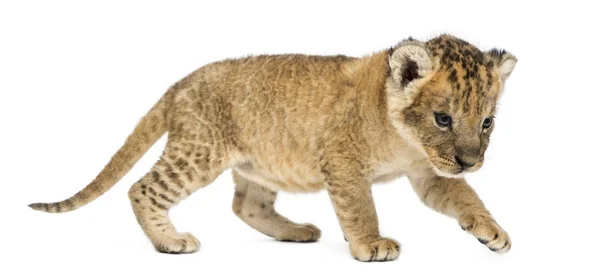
(367, 77)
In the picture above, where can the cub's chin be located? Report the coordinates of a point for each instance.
(455, 172)
(447, 174)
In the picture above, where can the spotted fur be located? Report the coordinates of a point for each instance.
(305, 123)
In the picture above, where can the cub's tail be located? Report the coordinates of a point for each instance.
(149, 129)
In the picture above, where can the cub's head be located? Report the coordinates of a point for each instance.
(442, 97)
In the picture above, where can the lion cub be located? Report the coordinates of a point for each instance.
(301, 123)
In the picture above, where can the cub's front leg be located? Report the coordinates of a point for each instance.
(455, 198)
(351, 196)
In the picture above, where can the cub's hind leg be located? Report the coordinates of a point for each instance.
(253, 204)
(182, 169)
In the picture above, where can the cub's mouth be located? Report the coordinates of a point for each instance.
(452, 167)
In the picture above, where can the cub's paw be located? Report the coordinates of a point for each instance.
(487, 231)
(381, 250)
(176, 243)
(299, 233)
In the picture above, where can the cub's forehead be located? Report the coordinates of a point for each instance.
(467, 72)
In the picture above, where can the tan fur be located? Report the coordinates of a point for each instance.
(306, 123)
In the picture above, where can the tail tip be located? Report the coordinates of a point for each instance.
(39, 206)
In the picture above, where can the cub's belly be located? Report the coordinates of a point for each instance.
(293, 179)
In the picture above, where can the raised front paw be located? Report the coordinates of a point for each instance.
(487, 231)
(382, 249)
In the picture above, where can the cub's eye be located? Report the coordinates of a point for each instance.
(487, 122)
(443, 120)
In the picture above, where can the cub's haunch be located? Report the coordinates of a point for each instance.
(301, 123)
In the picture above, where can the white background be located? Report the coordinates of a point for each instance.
(75, 78)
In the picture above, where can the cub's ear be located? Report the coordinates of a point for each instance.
(409, 61)
(504, 61)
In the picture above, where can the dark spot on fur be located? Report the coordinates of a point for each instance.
(155, 176)
(181, 164)
(452, 77)
(157, 204)
(497, 53)
(173, 175)
(163, 185)
(166, 198)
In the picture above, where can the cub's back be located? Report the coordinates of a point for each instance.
(276, 102)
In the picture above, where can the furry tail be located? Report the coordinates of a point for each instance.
(149, 129)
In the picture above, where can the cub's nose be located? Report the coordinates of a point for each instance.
(464, 163)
